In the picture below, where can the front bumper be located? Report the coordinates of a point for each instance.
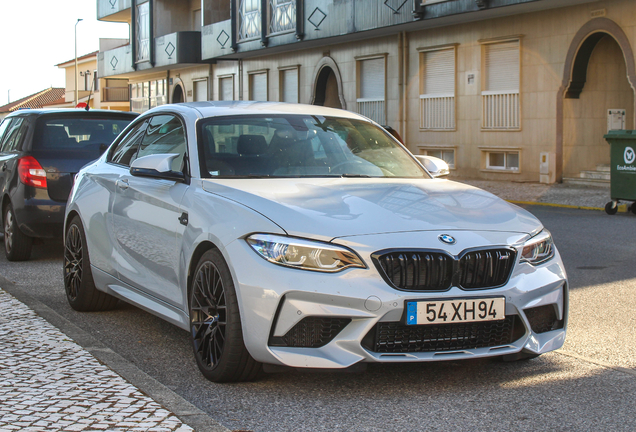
(273, 300)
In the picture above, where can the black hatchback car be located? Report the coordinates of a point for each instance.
(40, 153)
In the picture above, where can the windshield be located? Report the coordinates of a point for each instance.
(300, 146)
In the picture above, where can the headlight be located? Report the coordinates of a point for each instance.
(538, 249)
(304, 254)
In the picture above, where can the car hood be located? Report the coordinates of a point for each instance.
(328, 208)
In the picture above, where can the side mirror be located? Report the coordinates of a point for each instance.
(436, 166)
(156, 166)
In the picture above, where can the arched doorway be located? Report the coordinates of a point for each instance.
(327, 88)
(177, 94)
(599, 75)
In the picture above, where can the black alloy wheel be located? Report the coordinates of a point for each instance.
(81, 292)
(17, 245)
(215, 323)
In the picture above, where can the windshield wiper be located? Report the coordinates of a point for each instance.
(355, 175)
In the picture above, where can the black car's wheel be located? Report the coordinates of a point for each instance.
(611, 208)
(633, 207)
(17, 245)
(215, 323)
(78, 279)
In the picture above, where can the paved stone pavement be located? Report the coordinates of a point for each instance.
(49, 383)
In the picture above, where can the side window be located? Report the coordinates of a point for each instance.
(165, 134)
(13, 135)
(3, 128)
(125, 151)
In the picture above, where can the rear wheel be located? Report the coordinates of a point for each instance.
(611, 208)
(215, 323)
(17, 245)
(78, 278)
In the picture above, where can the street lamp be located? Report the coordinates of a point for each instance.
(76, 79)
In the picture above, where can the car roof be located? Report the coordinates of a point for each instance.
(228, 108)
(70, 111)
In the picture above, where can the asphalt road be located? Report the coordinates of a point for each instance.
(588, 385)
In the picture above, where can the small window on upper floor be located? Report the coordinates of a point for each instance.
(250, 23)
(282, 15)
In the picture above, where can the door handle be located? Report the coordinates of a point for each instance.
(122, 184)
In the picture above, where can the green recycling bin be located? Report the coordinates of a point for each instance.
(622, 168)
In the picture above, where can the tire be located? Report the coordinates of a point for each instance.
(81, 292)
(611, 208)
(17, 245)
(633, 207)
(215, 323)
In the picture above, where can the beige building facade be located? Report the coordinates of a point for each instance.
(517, 91)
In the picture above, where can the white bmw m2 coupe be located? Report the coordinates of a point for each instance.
(307, 237)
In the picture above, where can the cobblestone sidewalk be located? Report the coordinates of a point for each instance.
(49, 383)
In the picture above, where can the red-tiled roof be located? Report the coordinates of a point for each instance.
(36, 100)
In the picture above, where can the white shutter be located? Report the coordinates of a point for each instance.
(372, 79)
(201, 90)
(439, 72)
(258, 87)
(226, 89)
(502, 66)
(290, 85)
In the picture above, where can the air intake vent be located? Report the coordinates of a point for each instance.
(395, 337)
(437, 271)
(311, 332)
(543, 318)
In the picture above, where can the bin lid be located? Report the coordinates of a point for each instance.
(621, 134)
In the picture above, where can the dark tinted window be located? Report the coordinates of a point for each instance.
(126, 149)
(13, 135)
(164, 135)
(77, 133)
(3, 128)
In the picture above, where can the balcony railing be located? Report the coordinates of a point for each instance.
(372, 108)
(115, 94)
(109, 10)
(500, 110)
(437, 111)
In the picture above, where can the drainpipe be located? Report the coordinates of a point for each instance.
(405, 86)
(240, 79)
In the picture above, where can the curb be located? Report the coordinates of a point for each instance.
(622, 208)
(189, 414)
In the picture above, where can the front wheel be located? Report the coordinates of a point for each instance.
(611, 208)
(81, 292)
(17, 245)
(215, 323)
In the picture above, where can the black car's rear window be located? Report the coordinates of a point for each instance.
(77, 133)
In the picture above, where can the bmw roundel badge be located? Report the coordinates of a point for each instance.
(445, 238)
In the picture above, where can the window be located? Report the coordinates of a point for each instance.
(148, 94)
(143, 32)
(258, 86)
(250, 14)
(289, 85)
(437, 89)
(4, 125)
(282, 16)
(125, 150)
(13, 136)
(95, 81)
(502, 160)
(200, 90)
(226, 88)
(500, 98)
(446, 154)
(371, 88)
(164, 135)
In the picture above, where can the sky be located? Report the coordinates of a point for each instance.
(38, 34)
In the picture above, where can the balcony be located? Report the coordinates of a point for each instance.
(177, 48)
(115, 62)
(114, 10)
(115, 94)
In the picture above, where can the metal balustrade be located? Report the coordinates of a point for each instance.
(115, 94)
(372, 108)
(501, 110)
(437, 111)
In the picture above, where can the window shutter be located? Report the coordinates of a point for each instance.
(201, 90)
(290, 85)
(502, 66)
(226, 90)
(372, 79)
(439, 72)
(258, 89)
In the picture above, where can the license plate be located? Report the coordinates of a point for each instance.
(455, 311)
